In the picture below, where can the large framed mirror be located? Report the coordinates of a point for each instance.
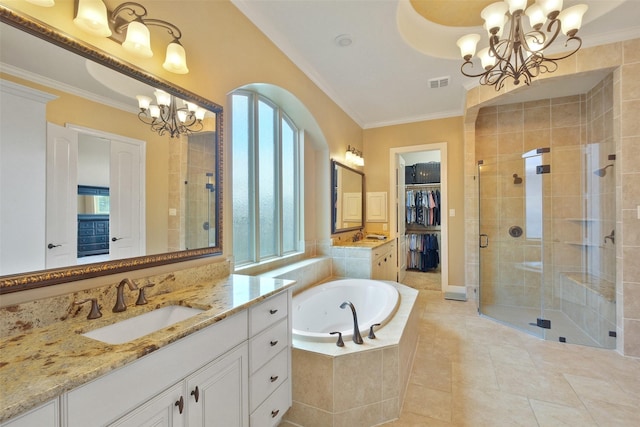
(110, 216)
(347, 201)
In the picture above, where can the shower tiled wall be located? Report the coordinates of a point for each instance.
(623, 60)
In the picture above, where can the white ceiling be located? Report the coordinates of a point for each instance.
(380, 79)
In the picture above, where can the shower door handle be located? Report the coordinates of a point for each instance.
(486, 240)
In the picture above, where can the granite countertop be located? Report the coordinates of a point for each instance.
(39, 365)
(364, 243)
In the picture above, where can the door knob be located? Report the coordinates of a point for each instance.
(115, 239)
(51, 246)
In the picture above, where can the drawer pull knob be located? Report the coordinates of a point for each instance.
(180, 404)
(196, 394)
(273, 311)
(273, 343)
(275, 413)
(273, 378)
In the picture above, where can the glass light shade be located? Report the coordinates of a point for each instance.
(486, 59)
(191, 106)
(154, 111)
(138, 40)
(162, 97)
(536, 16)
(494, 15)
(182, 115)
(143, 102)
(348, 156)
(467, 45)
(571, 19)
(200, 112)
(499, 32)
(176, 59)
(43, 3)
(92, 18)
(550, 6)
(516, 5)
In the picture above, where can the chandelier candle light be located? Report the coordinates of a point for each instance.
(171, 115)
(520, 56)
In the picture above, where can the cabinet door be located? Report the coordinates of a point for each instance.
(164, 410)
(47, 415)
(218, 394)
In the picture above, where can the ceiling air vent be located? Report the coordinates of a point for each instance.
(439, 82)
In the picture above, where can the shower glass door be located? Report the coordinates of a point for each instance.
(547, 243)
(511, 227)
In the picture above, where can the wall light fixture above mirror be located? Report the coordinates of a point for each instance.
(128, 24)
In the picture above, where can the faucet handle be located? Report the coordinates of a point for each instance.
(94, 313)
(142, 299)
(340, 343)
(372, 336)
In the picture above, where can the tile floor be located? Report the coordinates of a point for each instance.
(473, 371)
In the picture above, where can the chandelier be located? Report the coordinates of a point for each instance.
(171, 115)
(520, 56)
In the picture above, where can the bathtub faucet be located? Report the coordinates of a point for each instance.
(357, 338)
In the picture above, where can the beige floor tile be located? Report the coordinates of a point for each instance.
(600, 390)
(427, 402)
(483, 407)
(554, 415)
(612, 415)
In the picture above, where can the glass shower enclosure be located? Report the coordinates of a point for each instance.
(547, 243)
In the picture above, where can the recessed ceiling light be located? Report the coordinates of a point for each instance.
(343, 40)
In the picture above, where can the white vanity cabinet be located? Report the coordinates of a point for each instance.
(213, 396)
(235, 373)
(46, 415)
(383, 262)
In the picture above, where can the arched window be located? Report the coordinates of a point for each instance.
(266, 180)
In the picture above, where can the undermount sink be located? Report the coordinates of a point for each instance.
(144, 324)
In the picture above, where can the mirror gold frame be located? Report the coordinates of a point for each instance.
(37, 279)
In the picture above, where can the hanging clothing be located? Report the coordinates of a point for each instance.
(423, 254)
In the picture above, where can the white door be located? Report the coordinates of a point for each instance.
(62, 196)
(400, 218)
(126, 199)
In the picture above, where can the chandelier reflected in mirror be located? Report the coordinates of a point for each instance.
(520, 56)
(170, 115)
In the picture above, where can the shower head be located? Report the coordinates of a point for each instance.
(517, 179)
(602, 171)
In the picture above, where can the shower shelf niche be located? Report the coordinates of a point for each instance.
(589, 244)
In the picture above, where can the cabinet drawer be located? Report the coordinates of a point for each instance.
(267, 344)
(268, 312)
(268, 378)
(271, 411)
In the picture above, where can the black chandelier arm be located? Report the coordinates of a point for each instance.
(566, 44)
(134, 11)
(171, 29)
(137, 12)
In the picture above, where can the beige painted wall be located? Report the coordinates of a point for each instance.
(377, 143)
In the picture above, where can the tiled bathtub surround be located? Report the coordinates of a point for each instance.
(356, 385)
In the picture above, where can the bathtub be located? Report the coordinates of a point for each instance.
(316, 311)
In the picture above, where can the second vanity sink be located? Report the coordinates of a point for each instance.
(144, 324)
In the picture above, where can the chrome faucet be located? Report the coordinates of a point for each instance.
(357, 338)
(120, 305)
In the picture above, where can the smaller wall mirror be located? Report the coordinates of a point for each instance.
(347, 202)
